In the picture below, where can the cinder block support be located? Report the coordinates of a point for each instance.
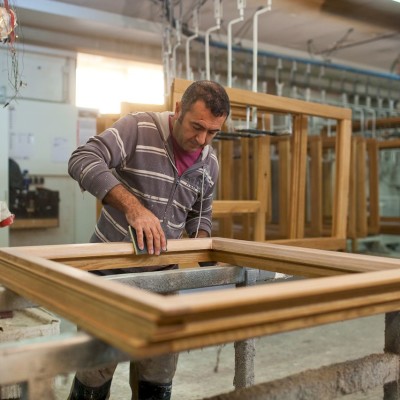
(245, 350)
(330, 382)
(392, 345)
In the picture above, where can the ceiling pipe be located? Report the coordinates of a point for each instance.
(189, 39)
(293, 82)
(218, 16)
(255, 41)
(317, 62)
(166, 59)
(241, 4)
(177, 44)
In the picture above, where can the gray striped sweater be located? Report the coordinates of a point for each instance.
(137, 152)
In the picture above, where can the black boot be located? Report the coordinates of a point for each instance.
(154, 391)
(79, 391)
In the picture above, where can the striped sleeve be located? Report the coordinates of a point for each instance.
(91, 164)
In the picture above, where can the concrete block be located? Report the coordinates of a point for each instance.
(25, 324)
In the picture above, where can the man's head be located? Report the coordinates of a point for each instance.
(200, 115)
(211, 93)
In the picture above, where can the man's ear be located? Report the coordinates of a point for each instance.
(178, 109)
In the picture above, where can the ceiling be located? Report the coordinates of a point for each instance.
(365, 33)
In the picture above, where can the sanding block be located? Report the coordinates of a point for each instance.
(132, 232)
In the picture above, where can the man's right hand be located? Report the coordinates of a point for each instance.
(145, 223)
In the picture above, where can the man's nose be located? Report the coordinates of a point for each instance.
(201, 138)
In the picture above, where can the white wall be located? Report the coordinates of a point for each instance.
(4, 232)
(41, 126)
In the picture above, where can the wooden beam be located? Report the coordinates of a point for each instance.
(316, 216)
(284, 185)
(226, 169)
(262, 162)
(361, 209)
(323, 243)
(389, 144)
(373, 180)
(266, 102)
(340, 201)
(227, 207)
(298, 178)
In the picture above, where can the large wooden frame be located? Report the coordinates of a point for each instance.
(145, 324)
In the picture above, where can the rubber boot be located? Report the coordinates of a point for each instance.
(154, 391)
(79, 391)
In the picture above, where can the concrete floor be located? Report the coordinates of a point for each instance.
(277, 356)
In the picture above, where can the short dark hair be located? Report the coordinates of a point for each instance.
(212, 93)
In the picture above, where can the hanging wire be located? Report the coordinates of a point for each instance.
(9, 22)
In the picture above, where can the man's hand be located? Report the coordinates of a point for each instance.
(145, 223)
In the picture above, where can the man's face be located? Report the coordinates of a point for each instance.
(196, 128)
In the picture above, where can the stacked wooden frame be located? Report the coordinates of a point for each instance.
(363, 216)
(254, 207)
(292, 218)
(364, 213)
(389, 224)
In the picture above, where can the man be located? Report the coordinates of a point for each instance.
(156, 172)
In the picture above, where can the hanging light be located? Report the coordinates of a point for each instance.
(8, 23)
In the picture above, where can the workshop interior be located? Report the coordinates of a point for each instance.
(309, 158)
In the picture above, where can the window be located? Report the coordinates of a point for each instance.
(102, 83)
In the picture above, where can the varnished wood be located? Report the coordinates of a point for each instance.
(340, 201)
(292, 166)
(292, 169)
(373, 179)
(274, 103)
(226, 173)
(361, 165)
(323, 243)
(316, 216)
(144, 324)
(245, 193)
(227, 207)
(352, 221)
(298, 178)
(284, 185)
(262, 161)
(390, 225)
(127, 108)
(389, 144)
